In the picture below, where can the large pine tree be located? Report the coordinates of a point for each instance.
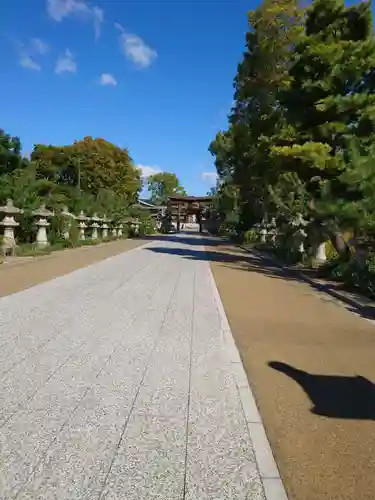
(256, 116)
(330, 99)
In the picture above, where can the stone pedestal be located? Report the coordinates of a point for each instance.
(67, 222)
(119, 230)
(42, 224)
(300, 234)
(263, 235)
(272, 231)
(105, 228)
(94, 233)
(9, 241)
(41, 235)
(94, 227)
(320, 255)
(82, 226)
(299, 238)
(9, 223)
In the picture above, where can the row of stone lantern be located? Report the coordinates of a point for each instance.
(95, 223)
(268, 234)
(42, 214)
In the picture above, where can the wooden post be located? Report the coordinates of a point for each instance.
(178, 218)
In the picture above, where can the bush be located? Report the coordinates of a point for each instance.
(90, 242)
(352, 274)
(331, 253)
(31, 250)
(250, 236)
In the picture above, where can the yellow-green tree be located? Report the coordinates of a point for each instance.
(91, 165)
(162, 185)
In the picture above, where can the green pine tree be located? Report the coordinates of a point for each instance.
(330, 100)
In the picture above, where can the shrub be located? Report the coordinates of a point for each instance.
(352, 274)
(330, 251)
(90, 242)
(125, 232)
(31, 250)
(250, 236)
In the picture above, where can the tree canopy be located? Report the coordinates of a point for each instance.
(91, 175)
(10, 153)
(102, 166)
(162, 185)
(303, 117)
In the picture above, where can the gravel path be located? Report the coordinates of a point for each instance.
(116, 384)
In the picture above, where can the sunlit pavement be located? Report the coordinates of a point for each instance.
(122, 381)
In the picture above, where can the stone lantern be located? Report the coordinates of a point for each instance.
(321, 255)
(120, 227)
(135, 226)
(9, 223)
(94, 226)
(272, 227)
(105, 227)
(41, 237)
(263, 231)
(68, 216)
(82, 219)
(300, 235)
(114, 230)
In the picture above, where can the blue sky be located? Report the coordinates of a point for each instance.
(154, 76)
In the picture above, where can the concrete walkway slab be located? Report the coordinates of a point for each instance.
(122, 381)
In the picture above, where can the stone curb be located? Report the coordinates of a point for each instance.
(269, 474)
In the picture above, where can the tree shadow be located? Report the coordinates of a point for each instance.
(334, 396)
(187, 238)
(241, 259)
(236, 260)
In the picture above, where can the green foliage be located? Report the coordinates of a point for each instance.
(31, 250)
(331, 253)
(162, 185)
(10, 154)
(93, 165)
(301, 133)
(356, 276)
(251, 236)
(91, 175)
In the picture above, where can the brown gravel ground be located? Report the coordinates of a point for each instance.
(19, 273)
(311, 365)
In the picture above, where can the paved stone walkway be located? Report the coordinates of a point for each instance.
(121, 381)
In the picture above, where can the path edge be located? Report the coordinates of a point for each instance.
(272, 483)
(78, 270)
(355, 300)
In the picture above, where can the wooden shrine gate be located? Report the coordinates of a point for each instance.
(181, 207)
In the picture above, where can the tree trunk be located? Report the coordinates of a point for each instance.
(340, 245)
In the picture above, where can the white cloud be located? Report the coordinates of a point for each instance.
(66, 63)
(136, 49)
(29, 63)
(60, 9)
(107, 79)
(147, 170)
(38, 46)
(29, 53)
(209, 176)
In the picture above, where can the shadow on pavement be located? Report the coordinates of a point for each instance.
(334, 396)
(241, 260)
(187, 238)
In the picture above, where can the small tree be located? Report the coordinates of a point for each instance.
(162, 185)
